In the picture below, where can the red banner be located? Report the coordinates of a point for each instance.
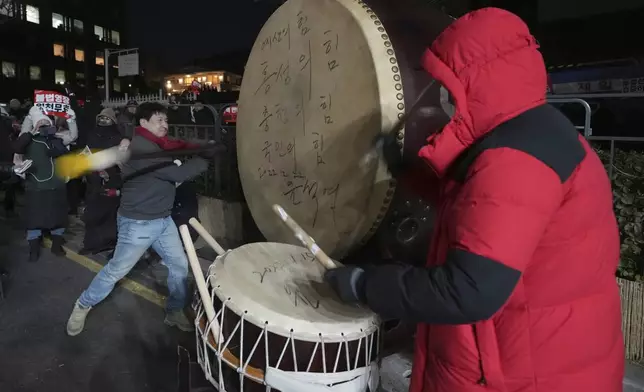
(52, 103)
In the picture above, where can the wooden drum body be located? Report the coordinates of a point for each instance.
(324, 79)
(278, 324)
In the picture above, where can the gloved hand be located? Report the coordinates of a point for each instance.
(348, 283)
(391, 152)
(72, 115)
(110, 192)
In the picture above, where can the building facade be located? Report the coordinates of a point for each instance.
(58, 44)
(222, 81)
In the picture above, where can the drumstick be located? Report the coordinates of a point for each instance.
(306, 239)
(74, 165)
(206, 236)
(199, 280)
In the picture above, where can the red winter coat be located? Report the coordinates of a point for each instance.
(519, 294)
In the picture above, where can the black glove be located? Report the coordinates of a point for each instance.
(210, 154)
(391, 152)
(348, 283)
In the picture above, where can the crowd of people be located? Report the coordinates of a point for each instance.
(114, 199)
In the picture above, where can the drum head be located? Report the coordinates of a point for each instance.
(321, 83)
(281, 286)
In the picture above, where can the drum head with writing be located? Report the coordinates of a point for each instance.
(281, 286)
(321, 83)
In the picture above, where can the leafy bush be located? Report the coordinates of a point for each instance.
(628, 193)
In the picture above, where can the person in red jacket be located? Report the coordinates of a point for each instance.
(519, 291)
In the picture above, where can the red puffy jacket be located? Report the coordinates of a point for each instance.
(519, 293)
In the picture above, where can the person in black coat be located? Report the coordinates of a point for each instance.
(102, 196)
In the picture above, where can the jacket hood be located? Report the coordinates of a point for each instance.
(490, 64)
(37, 115)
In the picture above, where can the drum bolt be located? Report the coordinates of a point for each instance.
(400, 115)
(400, 135)
(401, 106)
(377, 23)
(385, 36)
(398, 86)
(369, 11)
(423, 219)
(381, 29)
(397, 78)
(394, 69)
(390, 52)
(399, 96)
(374, 17)
(387, 43)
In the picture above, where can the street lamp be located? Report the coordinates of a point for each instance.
(108, 52)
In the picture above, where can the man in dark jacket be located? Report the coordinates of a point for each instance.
(519, 291)
(102, 197)
(144, 221)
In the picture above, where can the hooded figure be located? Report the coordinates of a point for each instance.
(46, 195)
(518, 293)
(102, 199)
(126, 120)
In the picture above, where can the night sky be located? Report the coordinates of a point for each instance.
(180, 31)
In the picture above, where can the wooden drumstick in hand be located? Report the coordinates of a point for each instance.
(305, 239)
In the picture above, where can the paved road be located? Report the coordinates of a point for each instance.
(125, 346)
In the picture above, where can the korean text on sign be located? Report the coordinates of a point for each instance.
(52, 103)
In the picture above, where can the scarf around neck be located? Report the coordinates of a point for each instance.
(165, 142)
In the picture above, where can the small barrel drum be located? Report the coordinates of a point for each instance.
(278, 325)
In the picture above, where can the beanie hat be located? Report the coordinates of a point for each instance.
(109, 113)
(131, 103)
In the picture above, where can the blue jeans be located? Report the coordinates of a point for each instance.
(134, 238)
(35, 234)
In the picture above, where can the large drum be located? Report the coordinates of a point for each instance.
(324, 78)
(279, 325)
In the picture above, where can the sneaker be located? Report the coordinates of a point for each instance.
(76, 321)
(178, 319)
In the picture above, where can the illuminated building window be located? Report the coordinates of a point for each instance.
(35, 73)
(59, 76)
(78, 26)
(99, 32)
(8, 69)
(116, 38)
(59, 50)
(57, 21)
(79, 55)
(33, 14)
(100, 59)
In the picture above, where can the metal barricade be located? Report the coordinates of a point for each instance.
(588, 131)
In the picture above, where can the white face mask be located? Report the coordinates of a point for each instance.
(446, 103)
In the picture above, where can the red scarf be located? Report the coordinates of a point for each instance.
(165, 143)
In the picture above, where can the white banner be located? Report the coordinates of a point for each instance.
(634, 85)
(129, 64)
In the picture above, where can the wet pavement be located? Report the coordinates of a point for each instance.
(125, 345)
